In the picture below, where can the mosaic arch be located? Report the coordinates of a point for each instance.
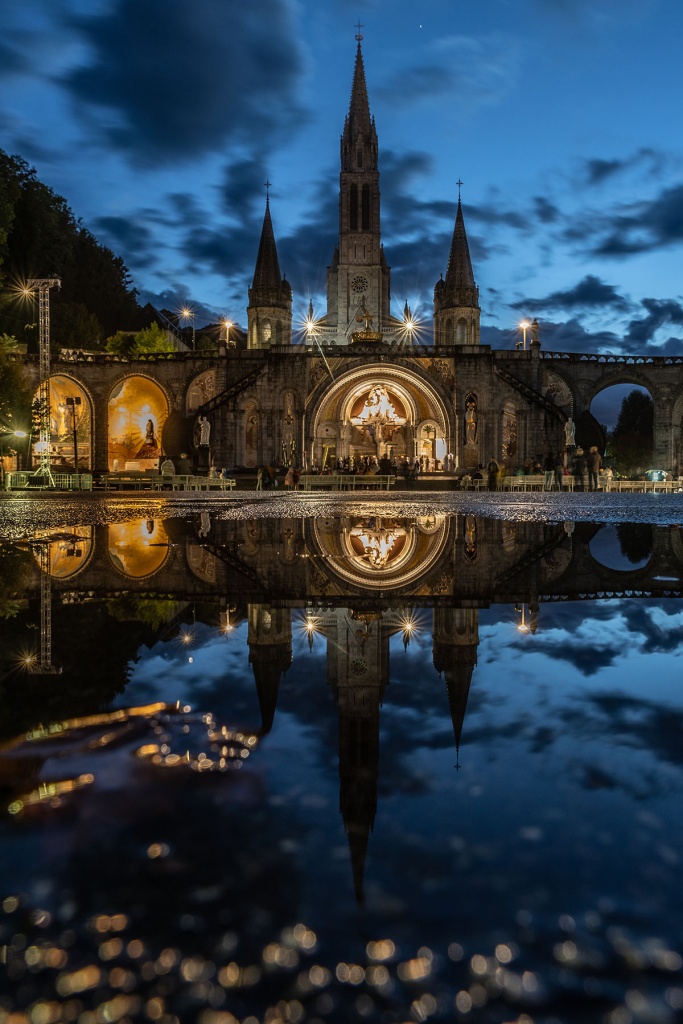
(70, 411)
(138, 410)
(378, 553)
(138, 548)
(380, 411)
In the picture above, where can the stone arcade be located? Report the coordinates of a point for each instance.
(360, 384)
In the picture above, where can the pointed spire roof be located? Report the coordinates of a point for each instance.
(269, 287)
(267, 270)
(459, 273)
(359, 138)
(358, 118)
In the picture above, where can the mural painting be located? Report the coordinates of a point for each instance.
(137, 412)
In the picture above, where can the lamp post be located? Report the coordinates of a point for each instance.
(189, 314)
(73, 403)
(227, 324)
(524, 326)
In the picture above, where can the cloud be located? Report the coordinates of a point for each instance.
(168, 83)
(589, 292)
(641, 332)
(648, 226)
(598, 170)
(135, 238)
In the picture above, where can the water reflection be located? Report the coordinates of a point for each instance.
(467, 729)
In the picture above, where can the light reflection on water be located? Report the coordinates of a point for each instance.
(432, 767)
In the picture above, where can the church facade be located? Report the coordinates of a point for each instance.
(361, 384)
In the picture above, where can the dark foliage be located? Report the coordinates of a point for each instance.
(631, 440)
(40, 237)
(635, 541)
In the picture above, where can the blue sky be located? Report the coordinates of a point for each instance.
(160, 123)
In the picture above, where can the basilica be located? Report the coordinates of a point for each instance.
(361, 384)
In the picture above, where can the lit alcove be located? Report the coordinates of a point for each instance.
(138, 410)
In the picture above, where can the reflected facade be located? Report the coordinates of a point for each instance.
(430, 722)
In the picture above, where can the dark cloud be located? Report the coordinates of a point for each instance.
(649, 226)
(12, 60)
(660, 313)
(126, 234)
(598, 170)
(590, 292)
(415, 84)
(644, 724)
(545, 211)
(170, 88)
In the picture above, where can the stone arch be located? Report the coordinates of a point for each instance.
(138, 548)
(138, 408)
(266, 331)
(200, 389)
(70, 405)
(590, 429)
(448, 332)
(461, 331)
(408, 400)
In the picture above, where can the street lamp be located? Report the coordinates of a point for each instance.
(73, 403)
(189, 314)
(227, 324)
(524, 326)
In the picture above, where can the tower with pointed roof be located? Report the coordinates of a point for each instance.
(456, 641)
(456, 298)
(269, 314)
(358, 276)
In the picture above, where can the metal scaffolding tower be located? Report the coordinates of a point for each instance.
(43, 665)
(43, 286)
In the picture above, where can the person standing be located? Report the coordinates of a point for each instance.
(579, 470)
(549, 471)
(593, 462)
(493, 470)
(559, 471)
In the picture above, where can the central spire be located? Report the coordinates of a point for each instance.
(359, 139)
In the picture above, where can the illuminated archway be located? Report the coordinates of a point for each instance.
(380, 411)
(138, 548)
(70, 425)
(68, 551)
(379, 553)
(138, 410)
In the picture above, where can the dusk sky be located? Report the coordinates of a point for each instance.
(159, 122)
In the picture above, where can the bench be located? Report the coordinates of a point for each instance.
(140, 480)
(346, 481)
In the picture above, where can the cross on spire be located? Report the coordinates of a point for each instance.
(459, 183)
(359, 35)
(267, 185)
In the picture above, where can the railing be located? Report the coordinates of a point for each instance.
(142, 481)
(18, 480)
(346, 481)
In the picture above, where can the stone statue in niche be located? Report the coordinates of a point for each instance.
(570, 433)
(204, 431)
(470, 421)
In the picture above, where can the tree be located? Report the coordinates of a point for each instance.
(15, 394)
(150, 339)
(631, 440)
(39, 236)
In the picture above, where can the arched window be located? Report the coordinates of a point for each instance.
(359, 160)
(353, 208)
(461, 332)
(365, 212)
(448, 332)
(266, 330)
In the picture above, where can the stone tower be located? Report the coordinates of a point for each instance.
(456, 299)
(269, 314)
(269, 638)
(456, 639)
(358, 276)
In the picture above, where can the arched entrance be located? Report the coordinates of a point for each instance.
(380, 412)
(138, 410)
(70, 426)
